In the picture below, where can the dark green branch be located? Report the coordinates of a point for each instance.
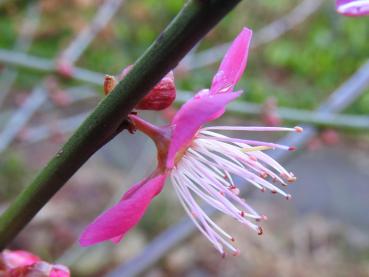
(187, 28)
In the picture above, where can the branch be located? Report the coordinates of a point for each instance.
(192, 23)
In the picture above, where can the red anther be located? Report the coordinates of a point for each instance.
(292, 148)
(233, 239)
(291, 179)
(264, 175)
(225, 176)
(242, 213)
(236, 253)
(221, 193)
(299, 129)
(224, 255)
(288, 196)
(260, 231)
(264, 217)
(273, 191)
(262, 189)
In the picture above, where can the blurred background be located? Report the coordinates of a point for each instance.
(308, 66)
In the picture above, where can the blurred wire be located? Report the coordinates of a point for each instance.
(23, 43)
(20, 118)
(295, 115)
(47, 65)
(266, 34)
(39, 95)
(104, 14)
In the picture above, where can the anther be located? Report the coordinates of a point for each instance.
(292, 148)
(242, 213)
(236, 253)
(233, 239)
(291, 178)
(288, 196)
(264, 175)
(234, 189)
(260, 231)
(299, 129)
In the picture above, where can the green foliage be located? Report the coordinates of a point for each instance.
(13, 174)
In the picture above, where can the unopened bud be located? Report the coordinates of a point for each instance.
(160, 97)
(109, 83)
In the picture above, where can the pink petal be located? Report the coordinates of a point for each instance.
(200, 109)
(119, 219)
(353, 7)
(59, 271)
(17, 258)
(233, 63)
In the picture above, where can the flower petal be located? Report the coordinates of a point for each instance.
(353, 7)
(200, 109)
(119, 219)
(233, 63)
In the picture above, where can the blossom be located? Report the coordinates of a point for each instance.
(352, 7)
(22, 263)
(200, 163)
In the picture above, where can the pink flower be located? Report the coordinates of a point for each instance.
(22, 263)
(201, 162)
(352, 7)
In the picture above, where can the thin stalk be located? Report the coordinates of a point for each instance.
(192, 23)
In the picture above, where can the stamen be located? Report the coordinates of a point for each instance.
(299, 129)
(256, 148)
(251, 128)
(260, 231)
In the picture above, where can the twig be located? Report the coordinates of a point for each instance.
(66, 125)
(186, 29)
(105, 13)
(266, 34)
(167, 240)
(21, 116)
(46, 65)
(23, 43)
(76, 94)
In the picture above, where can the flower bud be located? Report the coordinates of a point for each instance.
(23, 263)
(159, 98)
